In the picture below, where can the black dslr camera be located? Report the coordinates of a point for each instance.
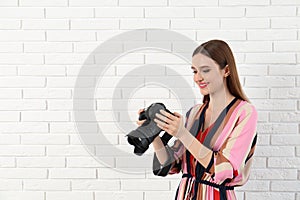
(144, 135)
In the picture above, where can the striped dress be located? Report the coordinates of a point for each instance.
(232, 140)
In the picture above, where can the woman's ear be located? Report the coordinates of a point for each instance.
(226, 71)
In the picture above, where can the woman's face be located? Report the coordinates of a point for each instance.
(207, 74)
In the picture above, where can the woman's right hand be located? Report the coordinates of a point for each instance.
(140, 122)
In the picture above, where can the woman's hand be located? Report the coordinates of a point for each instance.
(169, 123)
(140, 122)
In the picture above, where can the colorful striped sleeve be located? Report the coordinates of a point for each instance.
(230, 160)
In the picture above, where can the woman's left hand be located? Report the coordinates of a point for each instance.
(168, 122)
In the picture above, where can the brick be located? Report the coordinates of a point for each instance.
(41, 71)
(21, 59)
(256, 185)
(287, 2)
(219, 12)
(9, 116)
(10, 24)
(285, 186)
(269, 81)
(68, 82)
(88, 162)
(69, 12)
(119, 195)
(222, 34)
(274, 174)
(20, 35)
(72, 59)
(275, 151)
(22, 150)
(159, 195)
(292, 162)
(23, 173)
(22, 82)
(45, 116)
(13, 195)
(99, 185)
(285, 93)
(193, 3)
(68, 127)
(48, 47)
(69, 195)
(274, 104)
(144, 185)
(259, 162)
(46, 185)
(45, 24)
(46, 93)
(292, 70)
(286, 46)
(144, 23)
(9, 139)
(11, 47)
(109, 173)
(91, 3)
(285, 22)
(24, 127)
(22, 105)
(21, 13)
(90, 139)
(119, 12)
(285, 117)
(272, 35)
(169, 12)
(67, 150)
(94, 24)
(11, 184)
(277, 128)
(43, 139)
(269, 195)
(143, 3)
(72, 173)
(6, 162)
(270, 11)
(162, 37)
(252, 70)
(8, 71)
(243, 2)
(193, 24)
(257, 93)
(271, 58)
(285, 140)
(69, 36)
(251, 46)
(245, 23)
(44, 3)
(47, 162)
(9, 3)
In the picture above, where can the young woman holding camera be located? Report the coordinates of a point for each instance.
(216, 140)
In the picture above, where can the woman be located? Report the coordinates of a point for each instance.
(213, 157)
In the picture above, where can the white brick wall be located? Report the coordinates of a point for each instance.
(43, 45)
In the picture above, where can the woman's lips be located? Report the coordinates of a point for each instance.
(202, 85)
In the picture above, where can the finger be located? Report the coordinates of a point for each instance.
(161, 124)
(177, 114)
(141, 110)
(163, 118)
(168, 115)
(140, 122)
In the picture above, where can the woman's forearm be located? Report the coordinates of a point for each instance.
(160, 150)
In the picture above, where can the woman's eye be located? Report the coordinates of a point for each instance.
(205, 71)
(194, 72)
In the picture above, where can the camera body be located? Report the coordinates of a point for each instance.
(144, 135)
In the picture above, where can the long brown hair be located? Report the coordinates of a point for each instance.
(221, 53)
